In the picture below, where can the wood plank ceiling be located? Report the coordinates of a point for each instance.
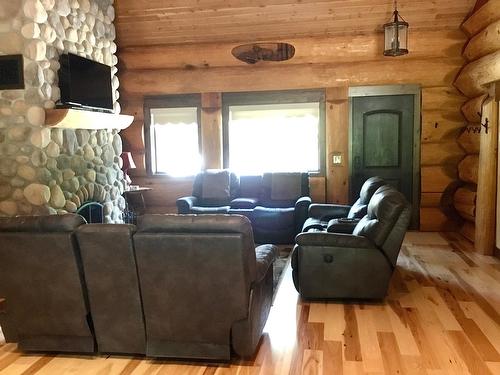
(156, 22)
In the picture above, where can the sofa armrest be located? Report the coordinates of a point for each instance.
(301, 209)
(333, 240)
(342, 225)
(326, 212)
(265, 256)
(185, 204)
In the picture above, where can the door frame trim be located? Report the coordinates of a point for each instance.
(384, 90)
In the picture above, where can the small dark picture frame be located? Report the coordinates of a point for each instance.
(11, 72)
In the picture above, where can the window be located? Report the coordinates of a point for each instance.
(172, 136)
(274, 132)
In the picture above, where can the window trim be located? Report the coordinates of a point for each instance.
(276, 97)
(165, 101)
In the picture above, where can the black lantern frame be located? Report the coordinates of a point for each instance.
(396, 35)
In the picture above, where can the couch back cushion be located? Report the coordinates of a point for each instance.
(283, 189)
(360, 207)
(108, 258)
(41, 278)
(215, 187)
(195, 274)
(250, 186)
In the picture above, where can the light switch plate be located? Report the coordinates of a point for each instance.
(337, 159)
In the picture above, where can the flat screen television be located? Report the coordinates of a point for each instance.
(85, 83)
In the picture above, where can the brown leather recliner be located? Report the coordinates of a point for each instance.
(46, 307)
(358, 265)
(205, 288)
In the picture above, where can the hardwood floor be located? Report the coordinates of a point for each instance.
(442, 316)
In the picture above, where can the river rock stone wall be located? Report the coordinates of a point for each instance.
(43, 170)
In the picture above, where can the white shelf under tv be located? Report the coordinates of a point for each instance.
(68, 118)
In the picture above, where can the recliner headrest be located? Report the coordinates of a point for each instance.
(384, 209)
(369, 188)
(386, 204)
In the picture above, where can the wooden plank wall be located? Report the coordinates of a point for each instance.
(331, 63)
(478, 170)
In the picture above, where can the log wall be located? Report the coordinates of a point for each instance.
(475, 202)
(331, 63)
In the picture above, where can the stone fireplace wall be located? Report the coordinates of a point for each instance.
(43, 170)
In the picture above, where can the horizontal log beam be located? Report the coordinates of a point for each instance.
(472, 108)
(435, 179)
(469, 139)
(474, 77)
(468, 169)
(465, 195)
(433, 219)
(487, 14)
(441, 153)
(320, 50)
(439, 126)
(431, 199)
(442, 98)
(466, 212)
(484, 43)
(426, 72)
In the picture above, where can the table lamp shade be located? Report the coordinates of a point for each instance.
(128, 162)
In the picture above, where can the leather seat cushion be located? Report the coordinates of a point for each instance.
(274, 218)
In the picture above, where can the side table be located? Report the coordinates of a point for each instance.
(136, 204)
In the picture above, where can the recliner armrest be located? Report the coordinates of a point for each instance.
(185, 204)
(333, 240)
(301, 209)
(303, 202)
(326, 212)
(265, 256)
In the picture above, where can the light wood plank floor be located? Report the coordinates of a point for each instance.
(442, 316)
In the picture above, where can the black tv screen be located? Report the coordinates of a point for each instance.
(85, 83)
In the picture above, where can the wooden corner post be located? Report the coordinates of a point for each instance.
(487, 175)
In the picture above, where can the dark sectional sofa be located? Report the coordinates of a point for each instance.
(179, 286)
(275, 203)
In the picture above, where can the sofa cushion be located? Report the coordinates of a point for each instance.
(286, 186)
(244, 203)
(383, 211)
(273, 218)
(250, 186)
(358, 210)
(215, 185)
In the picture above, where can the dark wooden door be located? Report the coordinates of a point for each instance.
(382, 141)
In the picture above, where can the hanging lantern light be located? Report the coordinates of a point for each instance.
(396, 35)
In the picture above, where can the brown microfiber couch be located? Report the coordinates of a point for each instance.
(178, 286)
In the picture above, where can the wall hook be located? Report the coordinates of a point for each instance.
(486, 124)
